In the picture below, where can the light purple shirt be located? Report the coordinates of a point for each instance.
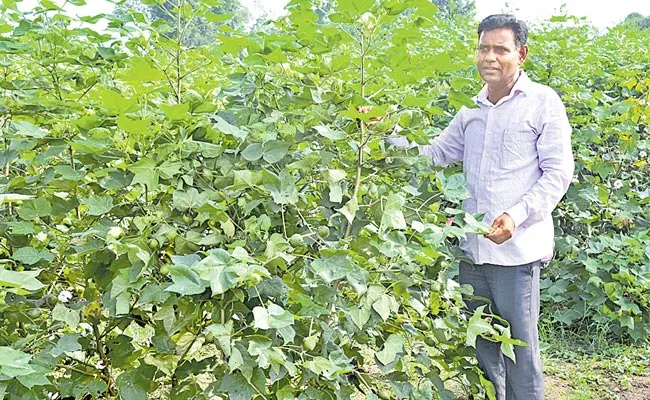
(517, 158)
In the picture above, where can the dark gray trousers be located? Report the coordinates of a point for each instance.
(514, 295)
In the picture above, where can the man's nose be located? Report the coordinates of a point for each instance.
(489, 55)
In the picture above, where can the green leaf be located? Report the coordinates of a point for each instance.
(121, 350)
(31, 256)
(98, 205)
(22, 228)
(26, 128)
(454, 187)
(176, 112)
(349, 210)
(354, 8)
(283, 189)
(261, 318)
(24, 281)
(459, 99)
(383, 306)
(212, 17)
(360, 315)
(67, 343)
(7, 156)
(476, 226)
(135, 383)
(186, 281)
(236, 360)
(252, 152)
(237, 387)
(33, 209)
(329, 133)
(332, 267)
(279, 318)
(333, 177)
(146, 173)
(190, 199)
(142, 70)
(35, 379)
(223, 336)
(113, 101)
(14, 363)
(476, 326)
(275, 151)
(393, 216)
(392, 347)
(64, 314)
(320, 365)
(223, 126)
(134, 126)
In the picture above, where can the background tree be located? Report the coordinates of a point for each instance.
(200, 30)
(451, 8)
(638, 20)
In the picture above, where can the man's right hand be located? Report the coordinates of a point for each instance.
(504, 229)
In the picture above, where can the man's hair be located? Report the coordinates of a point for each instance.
(508, 21)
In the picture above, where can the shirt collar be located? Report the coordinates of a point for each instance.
(522, 85)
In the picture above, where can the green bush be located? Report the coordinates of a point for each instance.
(221, 221)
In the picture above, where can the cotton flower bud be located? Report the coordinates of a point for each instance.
(368, 20)
(41, 236)
(115, 232)
(65, 296)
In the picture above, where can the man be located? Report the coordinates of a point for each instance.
(516, 153)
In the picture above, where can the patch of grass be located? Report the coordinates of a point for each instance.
(592, 364)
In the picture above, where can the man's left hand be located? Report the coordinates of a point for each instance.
(504, 229)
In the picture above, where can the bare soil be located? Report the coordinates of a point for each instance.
(555, 389)
(638, 389)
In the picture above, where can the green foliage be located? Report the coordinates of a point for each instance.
(200, 222)
(601, 273)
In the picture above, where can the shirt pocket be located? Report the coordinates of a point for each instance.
(519, 148)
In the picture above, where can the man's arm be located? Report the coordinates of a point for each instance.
(447, 148)
(555, 161)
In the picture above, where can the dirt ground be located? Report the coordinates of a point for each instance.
(639, 389)
(555, 389)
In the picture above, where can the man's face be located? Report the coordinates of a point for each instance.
(498, 57)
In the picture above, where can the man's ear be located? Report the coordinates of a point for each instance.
(523, 53)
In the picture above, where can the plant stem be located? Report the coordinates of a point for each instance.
(179, 43)
(106, 372)
(362, 133)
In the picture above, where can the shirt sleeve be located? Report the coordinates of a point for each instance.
(447, 148)
(555, 162)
